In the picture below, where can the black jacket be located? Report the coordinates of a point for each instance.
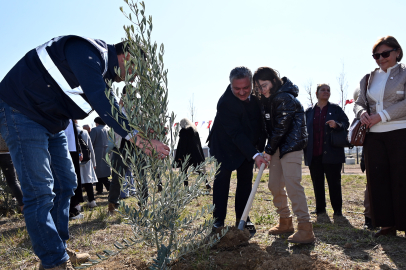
(236, 134)
(285, 120)
(189, 144)
(331, 154)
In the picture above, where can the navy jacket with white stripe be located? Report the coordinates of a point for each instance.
(30, 89)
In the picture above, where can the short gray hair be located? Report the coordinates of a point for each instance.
(240, 73)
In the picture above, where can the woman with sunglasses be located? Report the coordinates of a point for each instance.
(286, 131)
(320, 155)
(383, 91)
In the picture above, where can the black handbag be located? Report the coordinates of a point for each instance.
(339, 138)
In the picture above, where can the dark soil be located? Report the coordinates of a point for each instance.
(235, 252)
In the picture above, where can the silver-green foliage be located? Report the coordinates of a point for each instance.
(160, 219)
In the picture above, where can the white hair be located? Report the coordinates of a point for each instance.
(185, 123)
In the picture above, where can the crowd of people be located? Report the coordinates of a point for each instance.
(259, 120)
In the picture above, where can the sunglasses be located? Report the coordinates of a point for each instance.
(386, 54)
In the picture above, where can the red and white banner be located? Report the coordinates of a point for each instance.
(209, 124)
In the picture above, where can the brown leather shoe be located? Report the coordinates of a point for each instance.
(77, 258)
(112, 209)
(304, 234)
(285, 226)
(389, 231)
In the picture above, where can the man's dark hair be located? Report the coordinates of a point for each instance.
(267, 74)
(123, 47)
(99, 121)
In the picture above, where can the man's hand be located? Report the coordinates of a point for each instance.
(259, 160)
(267, 157)
(162, 149)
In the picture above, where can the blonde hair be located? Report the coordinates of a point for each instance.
(185, 123)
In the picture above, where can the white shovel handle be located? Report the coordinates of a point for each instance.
(252, 195)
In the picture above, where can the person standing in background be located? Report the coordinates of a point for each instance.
(76, 155)
(322, 157)
(381, 106)
(87, 173)
(99, 137)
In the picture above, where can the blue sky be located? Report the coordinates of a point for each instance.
(204, 40)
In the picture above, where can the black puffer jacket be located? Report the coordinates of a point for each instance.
(285, 120)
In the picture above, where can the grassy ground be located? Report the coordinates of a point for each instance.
(340, 241)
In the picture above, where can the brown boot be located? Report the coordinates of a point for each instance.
(64, 266)
(112, 209)
(285, 226)
(304, 234)
(77, 258)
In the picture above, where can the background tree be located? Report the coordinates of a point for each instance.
(342, 86)
(192, 108)
(160, 218)
(309, 91)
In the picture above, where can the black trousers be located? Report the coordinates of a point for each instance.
(102, 181)
(333, 174)
(385, 163)
(6, 165)
(221, 188)
(89, 190)
(78, 197)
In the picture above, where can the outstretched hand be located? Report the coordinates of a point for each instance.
(147, 147)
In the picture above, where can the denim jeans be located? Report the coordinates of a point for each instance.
(48, 181)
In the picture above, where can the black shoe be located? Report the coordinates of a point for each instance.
(216, 226)
(251, 228)
(339, 214)
(208, 187)
(368, 224)
(99, 193)
(318, 212)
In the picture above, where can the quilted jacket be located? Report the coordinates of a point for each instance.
(285, 120)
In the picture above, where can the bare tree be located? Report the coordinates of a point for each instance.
(308, 89)
(192, 108)
(343, 85)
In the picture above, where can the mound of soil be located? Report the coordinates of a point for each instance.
(233, 238)
(235, 252)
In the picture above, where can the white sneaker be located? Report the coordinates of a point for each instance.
(92, 204)
(79, 216)
(79, 207)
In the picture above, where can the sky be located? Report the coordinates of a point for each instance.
(204, 40)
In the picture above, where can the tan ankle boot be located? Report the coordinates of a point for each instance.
(112, 209)
(77, 258)
(64, 266)
(285, 226)
(304, 234)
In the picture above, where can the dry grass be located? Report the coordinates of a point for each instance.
(341, 241)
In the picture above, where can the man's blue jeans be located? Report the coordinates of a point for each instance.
(47, 178)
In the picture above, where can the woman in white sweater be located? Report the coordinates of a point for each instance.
(383, 90)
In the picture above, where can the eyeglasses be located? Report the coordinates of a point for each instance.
(386, 54)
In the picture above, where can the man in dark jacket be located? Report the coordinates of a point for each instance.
(63, 79)
(234, 141)
(287, 136)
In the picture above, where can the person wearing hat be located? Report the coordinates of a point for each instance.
(64, 78)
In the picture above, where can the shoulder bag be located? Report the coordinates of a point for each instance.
(358, 131)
